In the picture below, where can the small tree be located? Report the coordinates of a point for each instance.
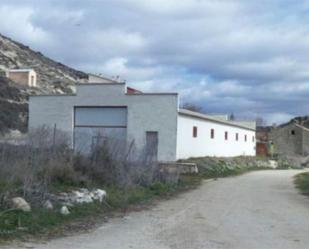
(232, 116)
(192, 107)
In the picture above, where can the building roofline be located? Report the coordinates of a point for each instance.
(128, 94)
(141, 94)
(302, 127)
(98, 83)
(209, 118)
(51, 95)
(102, 77)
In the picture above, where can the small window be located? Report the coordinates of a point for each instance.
(293, 132)
(212, 133)
(245, 138)
(253, 139)
(194, 131)
(226, 135)
(237, 137)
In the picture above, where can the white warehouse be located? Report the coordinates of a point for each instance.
(145, 119)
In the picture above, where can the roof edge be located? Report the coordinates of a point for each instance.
(208, 118)
(98, 83)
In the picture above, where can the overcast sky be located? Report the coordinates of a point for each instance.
(246, 57)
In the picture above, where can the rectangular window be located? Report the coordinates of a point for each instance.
(212, 133)
(253, 139)
(245, 138)
(226, 135)
(194, 131)
(237, 136)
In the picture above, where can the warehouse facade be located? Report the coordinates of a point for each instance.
(147, 120)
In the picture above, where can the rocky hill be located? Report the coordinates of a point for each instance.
(13, 106)
(53, 77)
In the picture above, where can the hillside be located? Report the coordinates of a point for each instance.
(13, 106)
(53, 77)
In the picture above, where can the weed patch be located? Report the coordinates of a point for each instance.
(302, 182)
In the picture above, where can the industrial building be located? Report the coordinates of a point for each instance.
(143, 119)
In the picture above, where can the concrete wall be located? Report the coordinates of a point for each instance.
(21, 78)
(144, 111)
(306, 142)
(288, 144)
(203, 145)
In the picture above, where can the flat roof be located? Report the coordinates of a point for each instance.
(213, 119)
(104, 84)
(21, 70)
(99, 83)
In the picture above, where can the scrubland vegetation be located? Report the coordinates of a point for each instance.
(43, 165)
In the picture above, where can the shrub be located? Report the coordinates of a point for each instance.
(44, 162)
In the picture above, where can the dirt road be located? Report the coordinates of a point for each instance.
(257, 210)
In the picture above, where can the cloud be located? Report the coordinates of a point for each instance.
(246, 57)
(120, 41)
(17, 22)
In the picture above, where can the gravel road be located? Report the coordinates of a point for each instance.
(257, 210)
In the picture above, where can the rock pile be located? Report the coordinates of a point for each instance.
(81, 196)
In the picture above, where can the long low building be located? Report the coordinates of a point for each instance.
(153, 122)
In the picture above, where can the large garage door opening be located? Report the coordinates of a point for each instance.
(94, 126)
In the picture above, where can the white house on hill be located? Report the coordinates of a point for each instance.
(25, 77)
(147, 119)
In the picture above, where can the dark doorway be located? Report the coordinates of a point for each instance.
(152, 142)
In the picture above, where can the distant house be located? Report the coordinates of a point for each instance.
(25, 77)
(291, 138)
(152, 121)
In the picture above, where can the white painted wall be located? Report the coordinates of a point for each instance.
(203, 145)
(32, 78)
(146, 112)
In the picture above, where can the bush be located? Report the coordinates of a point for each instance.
(302, 182)
(110, 164)
(32, 167)
(44, 163)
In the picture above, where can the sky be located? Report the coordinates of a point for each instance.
(250, 58)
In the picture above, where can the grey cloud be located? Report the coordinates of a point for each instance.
(246, 57)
